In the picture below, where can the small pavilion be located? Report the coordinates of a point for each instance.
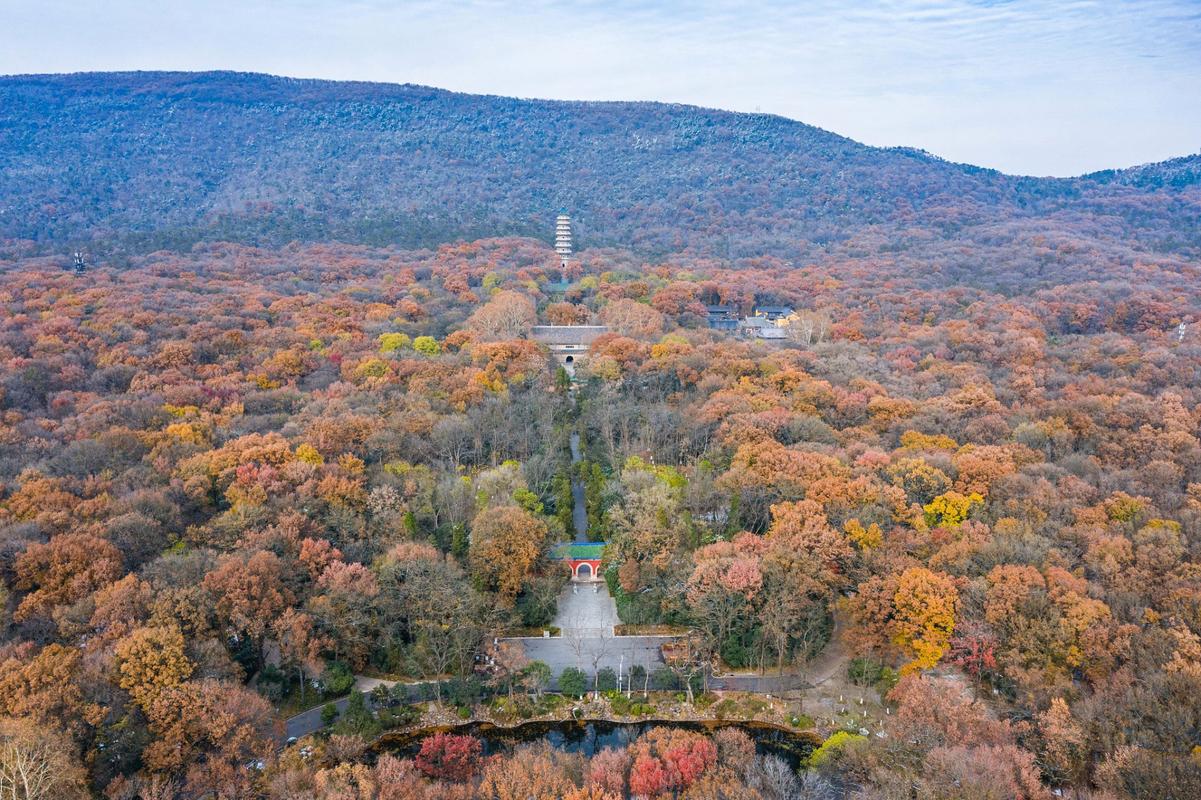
(584, 558)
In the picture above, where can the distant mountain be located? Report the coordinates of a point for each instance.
(153, 159)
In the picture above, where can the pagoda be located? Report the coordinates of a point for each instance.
(563, 236)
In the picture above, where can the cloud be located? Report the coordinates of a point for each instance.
(1032, 87)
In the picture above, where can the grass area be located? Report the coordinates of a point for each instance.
(649, 630)
(740, 706)
(534, 631)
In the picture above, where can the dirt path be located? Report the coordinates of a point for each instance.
(830, 662)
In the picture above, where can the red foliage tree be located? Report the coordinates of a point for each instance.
(449, 756)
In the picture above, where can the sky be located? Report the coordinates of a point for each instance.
(1038, 87)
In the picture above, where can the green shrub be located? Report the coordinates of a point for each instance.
(735, 653)
(337, 679)
(465, 690)
(357, 718)
(606, 679)
(427, 345)
(864, 671)
(638, 677)
(573, 682)
(398, 717)
(329, 713)
(390, 342)
(728, 707)
(887, 680)
(627, 707)
(664, 680)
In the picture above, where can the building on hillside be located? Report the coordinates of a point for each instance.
(760, 328)
(563, 236)
(584, 558)
(722, 318)
(773, 313)
(568, 343)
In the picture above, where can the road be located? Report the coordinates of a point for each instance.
(307, 722)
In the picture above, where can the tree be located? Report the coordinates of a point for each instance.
(149, 660)
(631, 318)
(537, 676)
(299, 645)
(343, 609)
(449, 756)
(213, 732)
(507, 315)
(573, 682)
(531, 771)
(67, 568)
(669, 760)
(974, 650)
(506, 543)
(509, 660)
(38, 763)
(607, 770)
(724, 585)
(924, 619)
(44, 686)
(248, 592)
(1065, 744)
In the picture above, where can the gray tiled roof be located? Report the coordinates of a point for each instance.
(567, 334)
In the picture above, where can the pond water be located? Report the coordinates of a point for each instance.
(589, 736)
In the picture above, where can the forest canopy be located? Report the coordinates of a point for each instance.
(237, 476)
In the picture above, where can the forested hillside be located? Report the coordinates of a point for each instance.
(136, 161)
(231, 478)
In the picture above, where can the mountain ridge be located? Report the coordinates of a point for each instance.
(164, 159)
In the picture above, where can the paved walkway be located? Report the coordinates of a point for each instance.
(587, 615)
(579, 509)
(586, 609)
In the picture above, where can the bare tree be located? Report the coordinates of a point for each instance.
(690, 656)
(809, 327)
(597, 650)
(575, 636)
(37, 763)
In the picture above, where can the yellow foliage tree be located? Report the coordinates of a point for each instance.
(391, 342)
(308, 454)
(867, 538)
(149, 660)
(950, 509)
(924, 616)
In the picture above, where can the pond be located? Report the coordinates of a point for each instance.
(589, 736)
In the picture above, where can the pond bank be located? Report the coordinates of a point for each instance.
(587, 736)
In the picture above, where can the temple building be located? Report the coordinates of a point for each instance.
(568, 344)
